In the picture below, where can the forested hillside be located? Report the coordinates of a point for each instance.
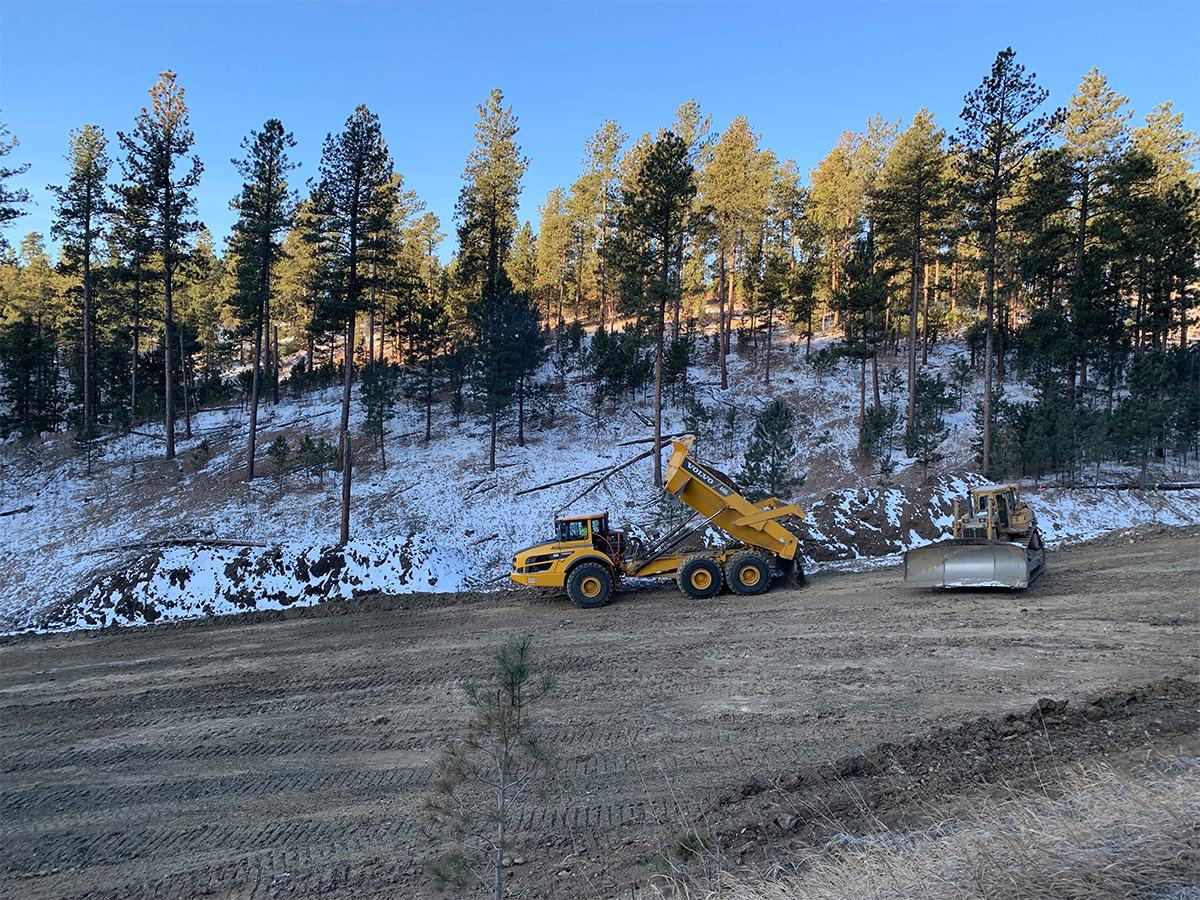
(1062, 242)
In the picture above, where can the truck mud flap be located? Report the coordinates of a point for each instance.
(967, 563)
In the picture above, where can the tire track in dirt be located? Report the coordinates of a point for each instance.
(288, 754)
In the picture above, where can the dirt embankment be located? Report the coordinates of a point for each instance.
(287, 754)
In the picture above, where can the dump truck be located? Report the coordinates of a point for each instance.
(589, 558)
(996, 543)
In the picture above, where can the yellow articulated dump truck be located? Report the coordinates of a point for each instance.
(996, 543)
(588, 558)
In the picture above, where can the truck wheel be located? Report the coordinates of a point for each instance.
(589, 585)
(699, 577)
(748, 572)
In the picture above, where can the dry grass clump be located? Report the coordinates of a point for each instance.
(1108, 836)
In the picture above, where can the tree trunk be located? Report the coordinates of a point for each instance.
(254, 390)
(521, 411)
(662, 314)
(347, 455)
(913, 309)
(137, 333)
(721, 319)
(925, 321)
(770, 324)
(183, 373)
(495, 424)
(989, 340)
(168, 334)
(89, 411)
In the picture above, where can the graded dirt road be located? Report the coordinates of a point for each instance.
(288, 756)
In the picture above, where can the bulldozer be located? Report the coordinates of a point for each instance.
(996, 543)
(588, 558)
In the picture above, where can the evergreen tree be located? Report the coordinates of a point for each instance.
(80, 210)
(653, 218)
(379, 388)
(352, 204)
(505, 323)
(132, 243)
(1094, 136)
(429, 336)
(927, 429)
(32, 321)
(265, 208)
(768, 468)
(736, 190)
(11, 199)
(1173, 150)
(554, 239)
(484, 780)
(487, 204)
(161, 137)
(909, 201)
(1000, 132)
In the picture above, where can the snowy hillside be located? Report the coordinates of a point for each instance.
(143, 539)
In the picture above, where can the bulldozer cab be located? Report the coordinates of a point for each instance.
(1001, 499)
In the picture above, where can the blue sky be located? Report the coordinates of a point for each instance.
(800, 72)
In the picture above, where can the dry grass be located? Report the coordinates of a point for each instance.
(1108, 836)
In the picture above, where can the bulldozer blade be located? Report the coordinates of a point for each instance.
(971, 563)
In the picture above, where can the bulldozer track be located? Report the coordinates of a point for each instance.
(289, 755)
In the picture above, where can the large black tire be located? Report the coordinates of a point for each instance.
(748, 572)
(589, 585)
(699, 577)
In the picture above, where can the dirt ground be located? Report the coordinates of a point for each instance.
(287, 755)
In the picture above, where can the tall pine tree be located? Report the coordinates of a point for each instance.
(157, 175)
(79, 221)
(352, 205)
(1000, 132)
(265, 207)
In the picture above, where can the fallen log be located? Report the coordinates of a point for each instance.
(13, 512)
(609, 475)
(178, 542)
(542, 487)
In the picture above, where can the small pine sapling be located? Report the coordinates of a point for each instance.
(89, 443)
(280, 453)
(767, 470)
(485, 778)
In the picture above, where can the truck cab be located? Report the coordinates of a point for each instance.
(585, 558)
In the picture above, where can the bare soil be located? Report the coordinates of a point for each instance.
(287, 754)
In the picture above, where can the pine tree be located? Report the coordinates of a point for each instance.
(379, 387)
(736, 190)
(554, 239)
(1094, 136)
(768, 468)
(487, 204)
(429, 336)
(11, 199)
(80, 210)
(484, 779)
(506, 325)
(132, 242)
(352, 204)
(157, 145)
(653, 217)
(909, 201)
(265, 208)
(1000, 132)
(29, 337)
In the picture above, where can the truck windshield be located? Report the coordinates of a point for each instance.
(572, 531)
